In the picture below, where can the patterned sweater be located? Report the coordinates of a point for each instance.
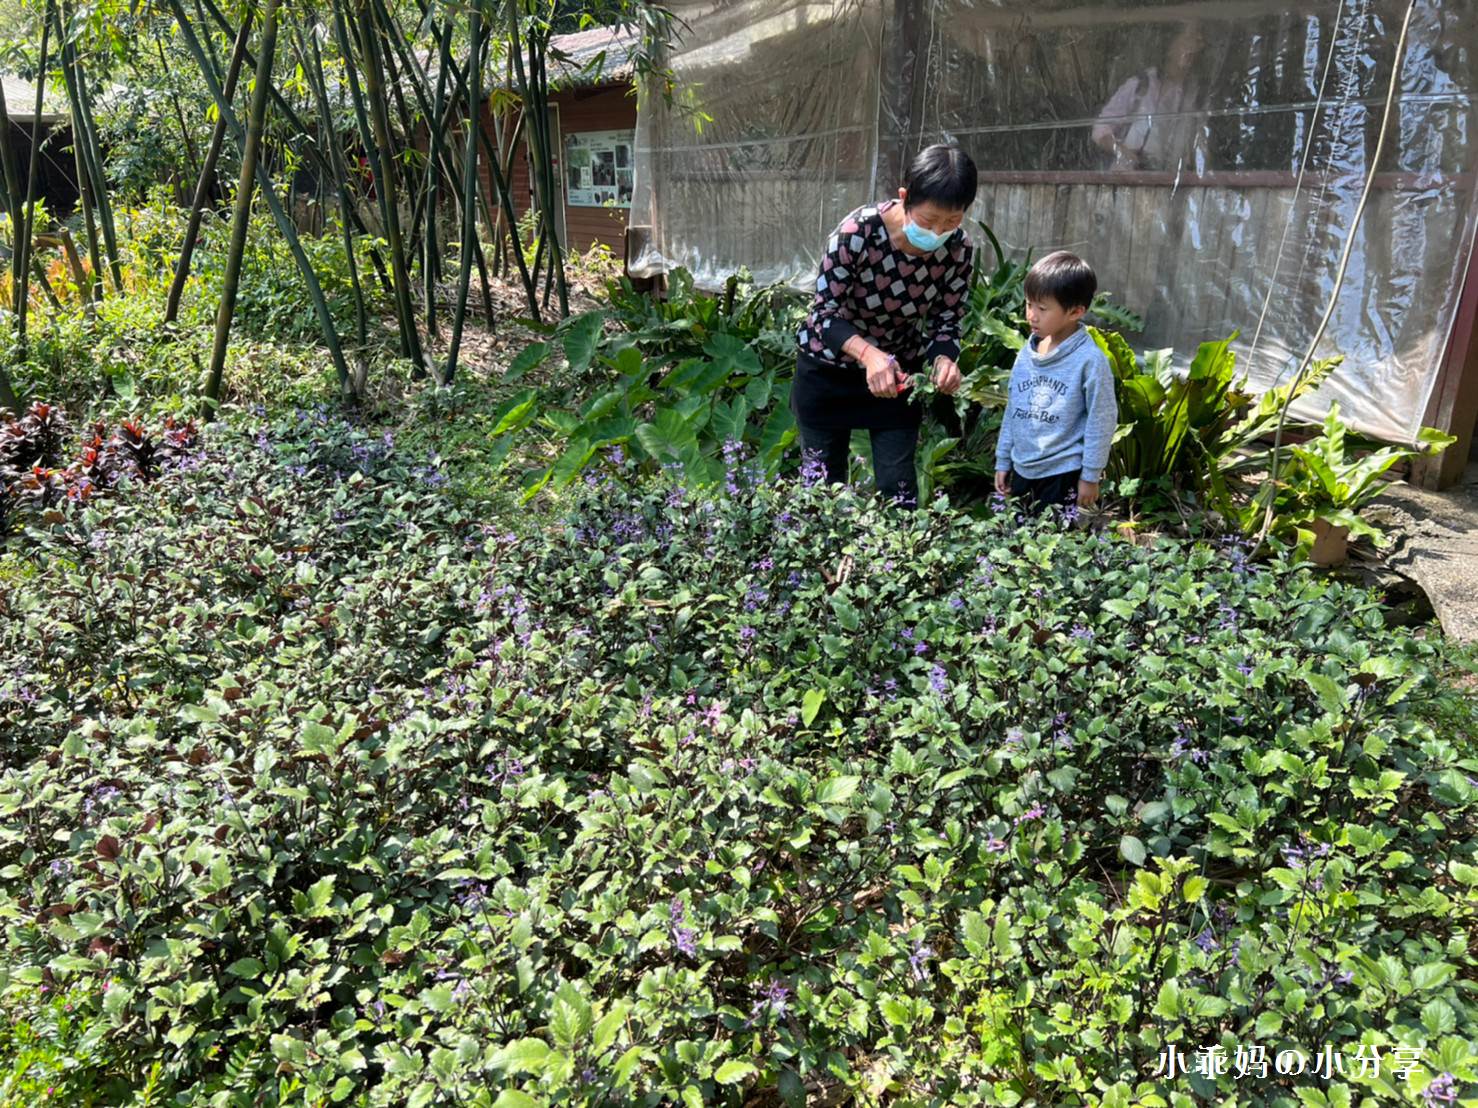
(907, 305)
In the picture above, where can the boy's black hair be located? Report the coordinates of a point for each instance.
(942, 173)
(1064, 277)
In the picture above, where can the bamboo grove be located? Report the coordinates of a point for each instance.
(369, 100)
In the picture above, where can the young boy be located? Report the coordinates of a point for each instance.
(1060, 408)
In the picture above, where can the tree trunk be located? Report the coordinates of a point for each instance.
(241, 220)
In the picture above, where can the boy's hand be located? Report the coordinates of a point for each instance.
(1003, 482)
(946, 375)
(1087, 493)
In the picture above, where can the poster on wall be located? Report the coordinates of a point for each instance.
(598, 168)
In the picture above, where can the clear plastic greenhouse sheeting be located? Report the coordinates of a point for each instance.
(1207, 159)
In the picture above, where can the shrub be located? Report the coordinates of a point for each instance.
(343, 794)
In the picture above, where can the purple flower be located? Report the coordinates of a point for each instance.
(1245, 669)
(956, 603)
(684, 938)
(746, 633)
(1207, 941)
(995, 845)
(938, 680)
(918, 961)
(1441, 1090)
(1081, 633)
(1036, 811)
(774, 997)
(813, 469)
(1014, 736)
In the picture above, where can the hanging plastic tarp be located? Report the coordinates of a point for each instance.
(1208, 159)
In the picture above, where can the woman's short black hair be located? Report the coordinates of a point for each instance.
(1064, 277)
(942, 173)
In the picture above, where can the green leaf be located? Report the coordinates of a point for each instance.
(582, 339)
(733, 1071)
(521, 1056)
(733, 354)
(1431, 975)
(512, 1098)
(1330, 692)
(529, 358)
(730, 420)
(610, 1025)
(246, 967)
(1438, 1018)
(846, 614)
(515, 412)
(838, 790)
(896, 1011)
(811, 704)
(1132, 849)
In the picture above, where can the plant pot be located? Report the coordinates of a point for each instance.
(1331, 544)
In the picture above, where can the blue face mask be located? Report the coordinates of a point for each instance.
(923, 239)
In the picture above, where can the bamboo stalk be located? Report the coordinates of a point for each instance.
(28, 222)
(319, 158)
(380, 118)
(9, 178)
(207, 178)
(241, 219)
(284, 225)
(341, 176)
(535, 97)
(469, 184)
(84, 127)
(93, 289)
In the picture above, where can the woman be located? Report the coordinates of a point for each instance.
(1153, 121)
(889, 298)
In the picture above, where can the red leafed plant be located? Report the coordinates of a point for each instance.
(31, 456)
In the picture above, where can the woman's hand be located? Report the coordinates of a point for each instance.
(1003, 482)
(883, 373)
(947, 375)
(1087, 494)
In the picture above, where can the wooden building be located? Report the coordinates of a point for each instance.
(56, 173)
(593, 121)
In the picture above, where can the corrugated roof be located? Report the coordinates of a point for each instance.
(20, 101)
(618, 44)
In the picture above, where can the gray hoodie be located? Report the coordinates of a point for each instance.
(1061, 412)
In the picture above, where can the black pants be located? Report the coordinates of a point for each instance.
(1036, 493)
(892, 457)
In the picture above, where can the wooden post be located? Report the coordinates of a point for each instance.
(1454, 404)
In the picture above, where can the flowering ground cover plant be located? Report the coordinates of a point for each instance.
(320, 789)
